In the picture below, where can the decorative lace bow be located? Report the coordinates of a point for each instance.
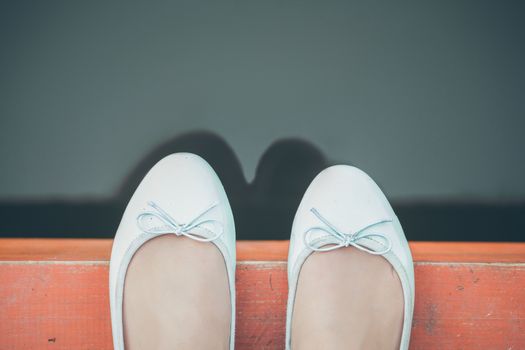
(345, 239)
(172, 226)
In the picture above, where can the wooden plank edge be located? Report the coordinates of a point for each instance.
(99, 250)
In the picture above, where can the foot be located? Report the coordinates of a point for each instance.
(344, 293)
(176, 296)
(347, 299)
(178, 289)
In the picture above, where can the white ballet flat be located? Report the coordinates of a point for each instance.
(344, 207)
(180, 195)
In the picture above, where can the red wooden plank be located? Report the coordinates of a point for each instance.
(54, 306)
(469, 306)
(52, 301)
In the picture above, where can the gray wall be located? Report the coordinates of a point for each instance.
(428, 97)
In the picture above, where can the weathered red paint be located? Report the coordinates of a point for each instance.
(54, 295)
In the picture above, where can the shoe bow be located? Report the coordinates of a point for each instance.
(170, 225)
(338, 239)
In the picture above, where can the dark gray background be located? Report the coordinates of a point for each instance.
(428, 97)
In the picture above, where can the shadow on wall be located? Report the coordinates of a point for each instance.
(263, 209)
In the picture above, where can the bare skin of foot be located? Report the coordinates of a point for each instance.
(347, 299)
(176, 296)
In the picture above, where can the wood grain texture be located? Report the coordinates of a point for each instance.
(469, 306)
(63, 304)
(54, 306)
